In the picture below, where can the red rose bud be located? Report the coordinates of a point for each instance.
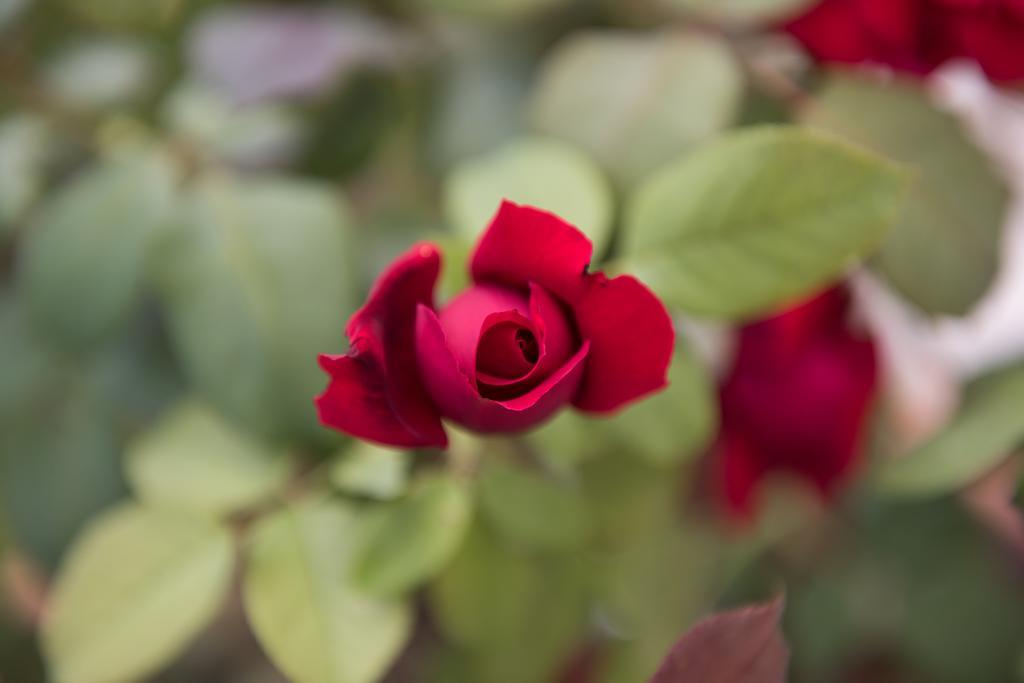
(917, 35)
(535, 332)
(795, 401)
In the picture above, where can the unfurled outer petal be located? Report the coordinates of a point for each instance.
(375, 391)
(631, 339)
(458, 399)
(524, 245)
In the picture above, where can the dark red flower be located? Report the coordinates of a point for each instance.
(795, 400)
(535, 332)
(917, 35)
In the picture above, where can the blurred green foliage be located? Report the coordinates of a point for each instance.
(944, 250)
(195, 195)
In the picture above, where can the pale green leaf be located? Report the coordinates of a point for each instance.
(370, 470)
(195, 460)
(544, 173)
(757, 219)
(256, 284)
(137, 587)
(742, 11)
(83, 260)
(407, 542)
(636, 100)
(314, 625)
(24, 143)
(530, 508)
(985, 431)
(944, 250)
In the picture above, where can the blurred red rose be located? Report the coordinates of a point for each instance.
(534, 333)
(917, 35)
(795, 400)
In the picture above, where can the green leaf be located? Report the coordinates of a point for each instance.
(924, 578)
(636, 100)
(672, 426)
(57, 434)
(742, 11)
(24, 142)
(532, 509)
(256, 285)
(196, 461)
(984, 432)
(137, 587)
(83, 259)
(407, 542)
(489, 598)
(496, 10)
(757, 219)
(370, 470)
(944, 250)
(548, 174)
(314, 625)
(124, 15)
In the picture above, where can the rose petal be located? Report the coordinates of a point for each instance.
(463, 318)
(740, 471)
(459, 400)
(784, 337)
(796, 399)
(830, 32)
(631, 337)
(995, 42)
(524, 245)
(375, 391)
(555, 339)
(892, 26)
(508, 348)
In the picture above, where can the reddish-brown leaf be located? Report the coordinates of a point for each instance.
(741, 646)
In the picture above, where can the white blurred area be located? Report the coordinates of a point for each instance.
(994, 332)
(926, 359)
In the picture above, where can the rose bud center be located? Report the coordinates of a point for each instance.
(507, 341)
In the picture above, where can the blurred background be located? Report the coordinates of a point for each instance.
(195, 195)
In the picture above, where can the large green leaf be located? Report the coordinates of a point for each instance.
(985, 431)
(257, 284)
(194, 460)
(83, 260)
(671, 426)
(944, 250)
(315, 625)
(136, 588)
(58, 435)
(404, 543)
(757, 219)
(636, 100)
(516, 614)
(548, 174)
(531, 508)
